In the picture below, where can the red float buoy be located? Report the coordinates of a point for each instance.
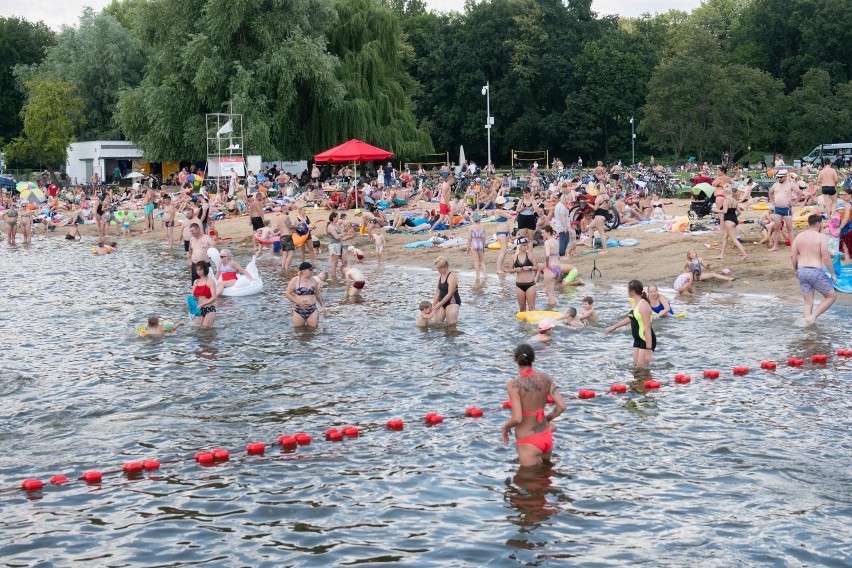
(768, 365)
(255, 448)
(507, 404)
(711, 374)
(820, 359)
(741, 371)
(586, 394)
(434, 419)
(350, 431)
(58, 480)
(650, 385)
(91, 476)
(428, 417)
(335, 436)
(288, 441)
(151, 465)
(793, 362)
(221, 455)
(31, 484)
(329, 432)
(618, 389)
(204, 458)
(682, 379)
(303, 439)
(475, 412)
(395, 424)
(132, 467)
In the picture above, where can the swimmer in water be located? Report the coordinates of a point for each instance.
(528, 395)
(154, 328)
(545, 330)
(571, 319)
(355, 281)
(660, 305)
(424, 316)
(589, 314)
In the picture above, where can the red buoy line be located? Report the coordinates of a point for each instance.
(290, 443)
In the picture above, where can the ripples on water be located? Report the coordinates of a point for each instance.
(750, 470)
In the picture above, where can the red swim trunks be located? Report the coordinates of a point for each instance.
(358, 285)
(444, 209)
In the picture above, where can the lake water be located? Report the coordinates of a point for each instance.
(749, 470)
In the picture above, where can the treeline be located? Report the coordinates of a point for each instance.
(732, 75)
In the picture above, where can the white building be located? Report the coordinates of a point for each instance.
(102, 156)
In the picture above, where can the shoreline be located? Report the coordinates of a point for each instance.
(657, 259)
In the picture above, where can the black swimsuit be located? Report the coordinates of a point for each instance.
(524, 286)
(444, 289)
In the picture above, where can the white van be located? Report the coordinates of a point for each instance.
(829, 151)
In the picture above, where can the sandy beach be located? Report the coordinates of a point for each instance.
(657, 259)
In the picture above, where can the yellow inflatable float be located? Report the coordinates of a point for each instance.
(535, 317)
(760, 206)
(494, 246)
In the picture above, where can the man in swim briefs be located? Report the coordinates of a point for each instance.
(783, 194)
(444, 210)
(198, 245)
(148, 200)
(809, 255)
(256, 211)
(185, 232)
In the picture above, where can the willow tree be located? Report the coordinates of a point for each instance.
(266, 59)
(377, 102)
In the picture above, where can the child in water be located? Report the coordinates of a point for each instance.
(125, 222)
(263, 238)
(424, 316)
(378, 238)
(545, 329)
(355, 281)
(570, 318)
(358, 253)
(154, 328)
(589, 315)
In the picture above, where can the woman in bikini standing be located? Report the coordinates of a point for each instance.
(11, 218)
(526, 272)
(205, 292)
(304, 293)
(528, 394)
(446, 302)
(601, 216)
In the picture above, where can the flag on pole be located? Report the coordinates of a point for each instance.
(227, 128)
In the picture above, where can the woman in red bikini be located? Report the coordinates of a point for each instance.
(528, 394)
(205, 292)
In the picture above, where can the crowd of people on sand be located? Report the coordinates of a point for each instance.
(554, 211)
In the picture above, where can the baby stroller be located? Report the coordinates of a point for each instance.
(701, 206)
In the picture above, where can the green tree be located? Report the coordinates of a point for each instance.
(234, 60)
(377, 101)
(52, 116)
(789, 37)
(21, 43)
(100, 58)
(288, 83)
(816, 116)
(613, 74)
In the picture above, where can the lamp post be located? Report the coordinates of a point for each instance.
(632, 142)
(489, 120)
